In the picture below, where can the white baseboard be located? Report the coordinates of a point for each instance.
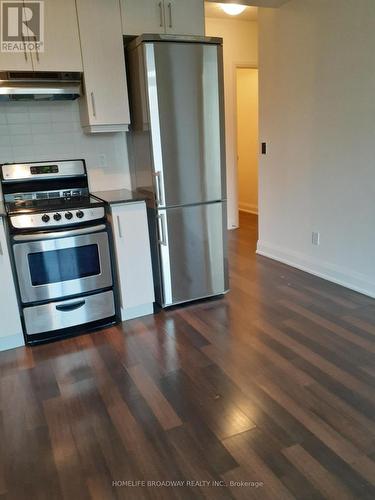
(341, 276)
(11, 342)
(137, 311)
(248, 208)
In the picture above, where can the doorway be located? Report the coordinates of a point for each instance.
(247, 140)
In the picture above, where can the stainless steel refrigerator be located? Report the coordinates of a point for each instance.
(177, 159)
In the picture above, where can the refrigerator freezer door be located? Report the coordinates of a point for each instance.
(184, 87)
(192, 252)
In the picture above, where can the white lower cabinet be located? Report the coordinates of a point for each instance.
(133, 259)
(10, 324)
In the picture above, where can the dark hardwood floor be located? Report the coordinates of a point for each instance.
(272, 384)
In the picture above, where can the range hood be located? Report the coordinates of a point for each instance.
(39, 86)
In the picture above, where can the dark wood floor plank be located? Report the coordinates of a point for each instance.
(260, 399)
(330, 487)
(324, 365)
(329, 325)
(223, 417)
(345, 450)
(359, 487)
(361, 324)
(252, 406)
(3, 456)
(64, 449)
(341, 406)
(333, 348)
(157, 402)
(342, 422)
(256, 468)
(194, 465)
(331, 297)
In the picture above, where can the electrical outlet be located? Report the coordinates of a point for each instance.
(103, 160)
(315, 238)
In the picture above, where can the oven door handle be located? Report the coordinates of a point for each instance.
(58, 234)
(70, 307)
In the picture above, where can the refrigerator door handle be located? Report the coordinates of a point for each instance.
(159, 191)
(161, 230)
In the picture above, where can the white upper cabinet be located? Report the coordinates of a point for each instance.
(62, 51)
(13, 38)
(16, 61)
(184, 17)
(142, 16)
(105, 107)
(178, 17)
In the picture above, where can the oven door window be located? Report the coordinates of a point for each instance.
(56, 266)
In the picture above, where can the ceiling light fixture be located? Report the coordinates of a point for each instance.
(233, 9)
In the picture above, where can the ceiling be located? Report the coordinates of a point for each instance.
(213, 9)
(259, 3)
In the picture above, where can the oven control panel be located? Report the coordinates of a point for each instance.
(56, 219)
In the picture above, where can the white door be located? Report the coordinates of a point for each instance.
(10, 323)
(106, 99)
(184, 17)
(142, 16)
(62, 51)
(133, 256)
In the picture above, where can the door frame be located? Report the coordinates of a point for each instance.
(236, 66)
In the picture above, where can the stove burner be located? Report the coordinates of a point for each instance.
(51, 204)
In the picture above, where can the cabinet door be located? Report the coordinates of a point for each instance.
(184, 17)
(142, 16)
(10, 324)
(105, 107)
(16, 61)
(62, 50)
(133, 255)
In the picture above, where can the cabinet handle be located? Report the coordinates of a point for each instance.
(93, 104)
(162, 232)
(24, 48)
(170, 14)
(161, 14)
(119, 226)
(36, 49)
(1, 250)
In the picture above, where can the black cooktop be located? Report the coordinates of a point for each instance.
(44, 205)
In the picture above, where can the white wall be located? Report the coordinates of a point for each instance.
(52, 131)
(317, 113)
(240, 49)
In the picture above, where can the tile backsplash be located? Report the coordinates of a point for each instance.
(52, 131)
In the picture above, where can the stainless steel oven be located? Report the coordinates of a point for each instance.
(59, 236)
(59, 264)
